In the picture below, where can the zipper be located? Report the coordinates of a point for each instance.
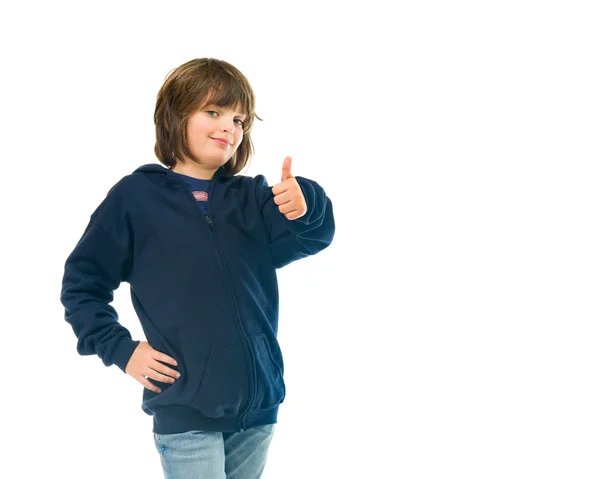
(241, 326)
(211, 225)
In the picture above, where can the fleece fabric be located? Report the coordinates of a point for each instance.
(204, 286)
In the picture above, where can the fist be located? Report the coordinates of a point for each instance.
(288, 194)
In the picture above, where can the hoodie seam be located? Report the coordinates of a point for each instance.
(105, 230)
(259, 204)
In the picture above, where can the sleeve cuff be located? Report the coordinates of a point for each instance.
(124, 352)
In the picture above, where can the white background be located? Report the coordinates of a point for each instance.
(450, 330)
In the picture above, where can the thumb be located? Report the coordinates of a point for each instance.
(286, 171)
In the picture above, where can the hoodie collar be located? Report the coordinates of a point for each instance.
(170, 177)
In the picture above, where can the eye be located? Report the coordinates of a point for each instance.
(241, 122)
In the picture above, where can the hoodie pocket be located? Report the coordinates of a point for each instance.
(270, 389)
(224, 387)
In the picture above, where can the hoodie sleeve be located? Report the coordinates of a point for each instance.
(95, 268)
(291, 240)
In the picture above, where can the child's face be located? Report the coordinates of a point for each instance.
(210, 123)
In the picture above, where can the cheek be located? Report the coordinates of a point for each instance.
(197, 129)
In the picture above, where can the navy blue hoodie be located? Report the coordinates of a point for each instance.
(203, 285)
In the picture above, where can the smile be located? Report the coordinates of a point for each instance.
(221, 142)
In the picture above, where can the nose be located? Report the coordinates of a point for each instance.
(227, 125)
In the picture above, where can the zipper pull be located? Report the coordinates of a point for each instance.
(209, 221)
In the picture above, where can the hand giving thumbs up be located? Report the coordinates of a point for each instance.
(288, 194)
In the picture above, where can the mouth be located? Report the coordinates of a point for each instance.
(221, 142)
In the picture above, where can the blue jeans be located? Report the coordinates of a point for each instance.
(215, 455)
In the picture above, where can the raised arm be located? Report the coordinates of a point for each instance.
(293, 239)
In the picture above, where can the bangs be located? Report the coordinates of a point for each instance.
(229, 95)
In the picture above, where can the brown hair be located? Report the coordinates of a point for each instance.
(190, 87)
